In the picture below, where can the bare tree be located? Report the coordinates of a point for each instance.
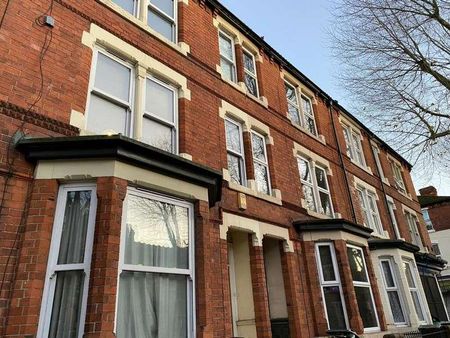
(395, 56)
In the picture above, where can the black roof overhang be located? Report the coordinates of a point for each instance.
(332, 225)
(124, 149)
(375, 244)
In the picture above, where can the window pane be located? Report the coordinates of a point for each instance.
(335, 311)
(160, 24)
(348, 142)
(307, 106)
(321, 178)
(357, 264)
(259, 147)
(390, 283)
(165, 6)
(366, 307)
(305, 173)
(294, 114)
(262, 178)
(233, 137)
(249, 63)
(326, 261)
(397, 312)
(105, 116)
(227, 70)
(128, 5)
(310, 124)
(325, 203)
(234, 168)
(226, 47)
(291, 95)
(250, 83)
(157, 135)
(159, 101)
(66, 310)
(415, 297)
(112, 77)
(157, 234)
(409, 276)
(309, 197)
(152, 305)
(75, 225)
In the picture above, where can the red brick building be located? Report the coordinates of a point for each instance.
(164, 172)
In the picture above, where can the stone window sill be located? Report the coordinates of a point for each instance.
(319, 137)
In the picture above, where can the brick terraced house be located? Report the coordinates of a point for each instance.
(165, 173)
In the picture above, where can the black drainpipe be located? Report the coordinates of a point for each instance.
(341, 159)
(382, 186)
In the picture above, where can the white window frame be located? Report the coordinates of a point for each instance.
(391, 209)
(304, 113)
(236, 154)
(129, 121)
(428, 222)
(52, 265)
(173, 125)
(398, 177)
(295, 103)
(369, 212)
(233, 49)
(366, 285)
(394, 288)
(415, 289)
(336, 282)
(189, 273)
(173, 20)
(315, 186)
(435, 245)
(354, 147)
(247, 52)
(376, 154)
(265, 164)
(411, 220)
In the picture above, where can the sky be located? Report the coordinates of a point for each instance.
(299, 30)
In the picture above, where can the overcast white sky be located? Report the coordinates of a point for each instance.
(298, 30)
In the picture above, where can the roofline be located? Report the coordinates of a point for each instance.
(227, 14)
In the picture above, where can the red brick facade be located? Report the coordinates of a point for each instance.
(27, 208)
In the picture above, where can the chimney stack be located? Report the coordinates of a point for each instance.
(428, 191)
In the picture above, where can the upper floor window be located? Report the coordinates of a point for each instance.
(363, 289)
(427, 219)
(227, 57)
(315, 187)
(398, 177)
(413, 229)
(260, 163)
(112, 107)
(376, 155)
(156, 268)
(391, 209)
(235, 151)
(159, 14)
(331, 287)
(300, 109)
(250, 74)
(391, 285)
(353, 142)
(63, 309)
(369, 208)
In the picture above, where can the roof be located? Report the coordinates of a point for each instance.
(426, 201)
(227, 14)
(335, 224)
(124, 149)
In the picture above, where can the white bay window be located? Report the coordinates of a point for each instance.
(156, 268)
(113, 107)
(391, 285)
(63, 308)
(411, 277)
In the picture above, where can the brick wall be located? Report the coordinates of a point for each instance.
(440, 216)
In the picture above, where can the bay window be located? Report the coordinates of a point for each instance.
(330, 282)
(390, 282)
(369, 208)
(160, 15)
(156, 268)
(235, 151)
(250, 75)
(411, 277)
(260, 163)
(63, 308)
(112, 106)
(227, 57)
(363, 289)
(315, 187)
